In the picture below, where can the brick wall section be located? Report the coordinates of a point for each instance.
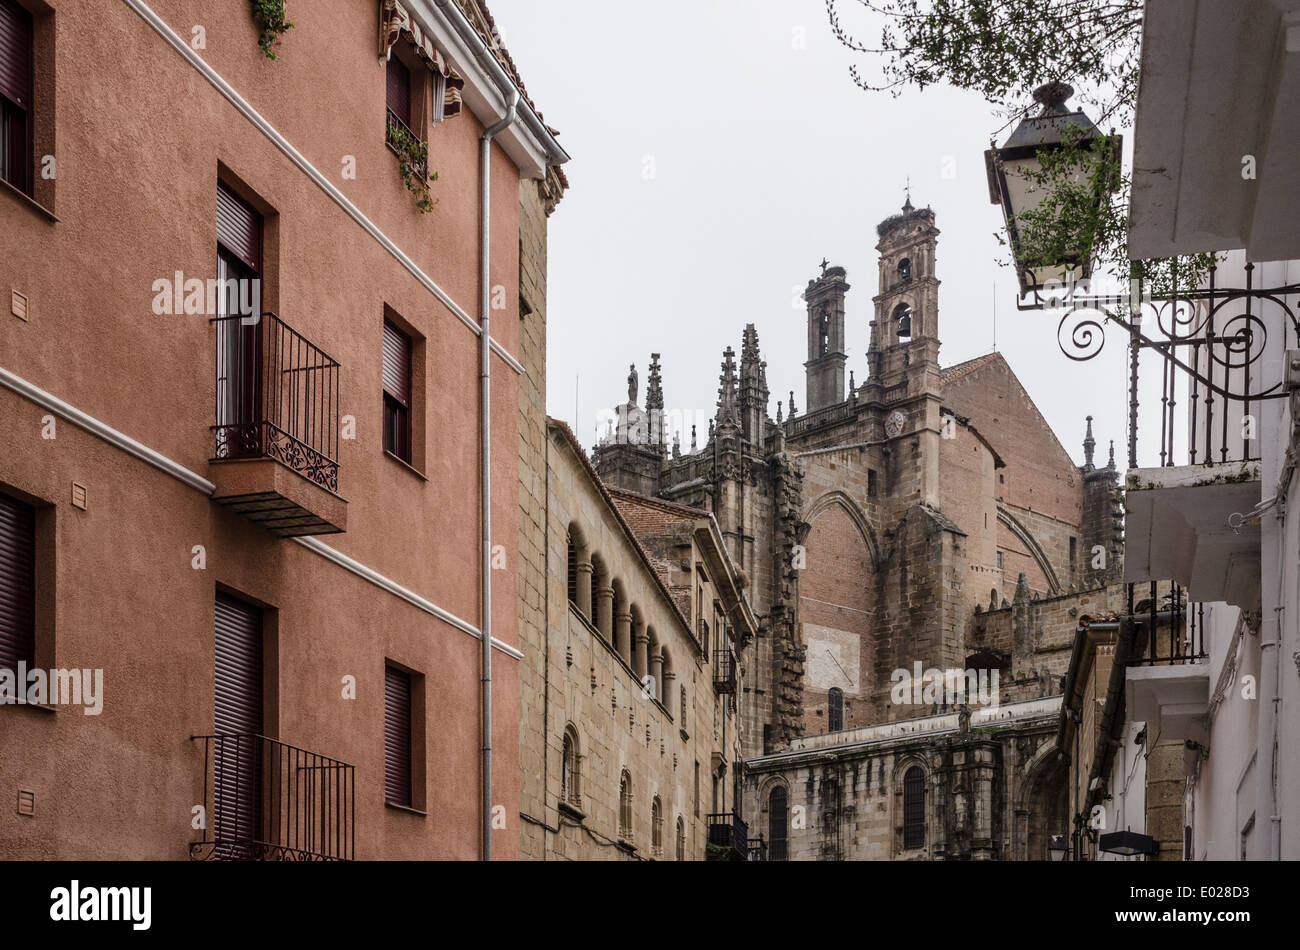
(1039, 475)
(835, 611)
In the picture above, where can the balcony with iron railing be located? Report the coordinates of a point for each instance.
(725, 674)
(1168, 677)
(265, 800)
(1203, 366)
(404, 142)
(728, 837)
(276, 431)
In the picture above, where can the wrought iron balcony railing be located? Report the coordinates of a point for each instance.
(1210, 345)
(397, 129)
(264, 800)
(1169, 630)
(728, 832)
(277, 397)
(724, 668)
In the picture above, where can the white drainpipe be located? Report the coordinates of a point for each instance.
(510, 94)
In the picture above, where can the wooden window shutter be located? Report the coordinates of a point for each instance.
(397, 364)
(239, 228)
(397, 737)
(17, 584)
(16, 54)
(399, 90)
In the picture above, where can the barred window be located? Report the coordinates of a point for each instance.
(835, 709)
(914, 808)
(776, 824)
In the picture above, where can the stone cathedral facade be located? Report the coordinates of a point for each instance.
(902, 538)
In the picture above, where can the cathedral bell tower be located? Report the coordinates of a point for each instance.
(904, 348)
(826, 355)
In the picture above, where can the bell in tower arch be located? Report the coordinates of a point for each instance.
(903, 320)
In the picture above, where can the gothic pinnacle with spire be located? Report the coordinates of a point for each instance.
(1089, 445)
(727, 409)
(654, 404)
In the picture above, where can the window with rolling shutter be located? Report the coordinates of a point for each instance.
(399, 91)
(239, 228)
(16, 95)
(237, 720)
(397, 392)
(17, 584)
(397, 737)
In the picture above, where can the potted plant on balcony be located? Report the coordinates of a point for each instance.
(413, 163)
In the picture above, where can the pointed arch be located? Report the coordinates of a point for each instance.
(856, 515)
(1008, 520)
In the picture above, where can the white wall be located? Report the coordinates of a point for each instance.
(1224, 796)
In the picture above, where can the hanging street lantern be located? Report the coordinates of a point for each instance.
(1046, 244)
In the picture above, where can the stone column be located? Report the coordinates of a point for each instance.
(605, 612)
(642, 641)
(623, 636)
(584, 590)
(656, 671)
(670, 693)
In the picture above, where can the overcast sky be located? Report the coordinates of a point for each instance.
(720, 151)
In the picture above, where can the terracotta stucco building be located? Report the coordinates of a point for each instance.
(259, 506)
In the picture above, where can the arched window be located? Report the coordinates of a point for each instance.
(914, 808)
(656, 826)
(903, 321)
(681, 838)
(776, 824)
(569, 768)
(625, 807)
(835, 709)
(905, 270)
(573, 571)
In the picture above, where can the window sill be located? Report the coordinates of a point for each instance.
(573, 811)
(407, 465)
(28, 201)
(406, 808)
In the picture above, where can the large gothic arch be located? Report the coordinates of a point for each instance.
(835, 497)
(1012, 524)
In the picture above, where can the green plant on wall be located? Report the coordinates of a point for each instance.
(413, 163)
(270, 18)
